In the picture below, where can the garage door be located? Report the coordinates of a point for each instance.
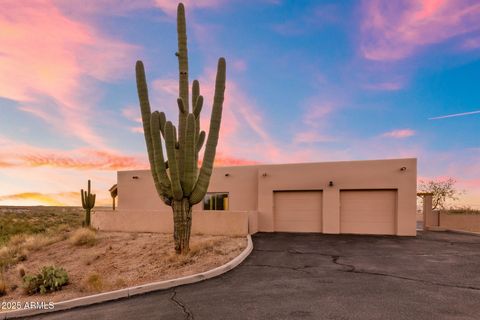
(368, 211)
(298, 211)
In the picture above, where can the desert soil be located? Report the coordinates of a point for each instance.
(120, 260)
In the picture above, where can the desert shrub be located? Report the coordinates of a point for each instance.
(120, 283)
(84, 237)
(47, 280)
(204, 247)
(93, 282)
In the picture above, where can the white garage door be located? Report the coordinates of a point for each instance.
(298, 211)
(368, 211)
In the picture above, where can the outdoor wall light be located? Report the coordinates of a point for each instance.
(264, 174)
(135, 177)
(403, 168)
(330, 184)
(227, 174)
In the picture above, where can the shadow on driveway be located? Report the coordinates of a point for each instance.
(316, 276)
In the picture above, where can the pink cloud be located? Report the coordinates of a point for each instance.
(14, 154)
(132, 113)
(472, 43)
(399, 133)
(393, 30)
(38, 198)
(239, 65)
(310, 137)
(314, 122)
(46, 58)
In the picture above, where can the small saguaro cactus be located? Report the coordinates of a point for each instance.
(88, 202)
(178, 181)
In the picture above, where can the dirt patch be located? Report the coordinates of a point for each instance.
(119, 260)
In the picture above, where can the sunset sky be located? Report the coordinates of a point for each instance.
(307, 81)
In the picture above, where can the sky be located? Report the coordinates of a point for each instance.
(307, 81)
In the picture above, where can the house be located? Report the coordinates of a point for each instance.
(355, 197)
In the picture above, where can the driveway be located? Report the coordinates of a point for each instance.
(315, 276)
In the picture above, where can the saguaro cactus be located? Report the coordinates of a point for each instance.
(88, 202)
(182, 185)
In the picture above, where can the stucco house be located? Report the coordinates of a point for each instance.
(356, 197)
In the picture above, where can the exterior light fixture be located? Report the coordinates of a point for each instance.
(264, 174)
(403, 168)
(330, 184)
(135, 177)
(227, 174)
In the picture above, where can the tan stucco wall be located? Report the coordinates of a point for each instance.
(251, 188)
(460, 222)
(203, 222)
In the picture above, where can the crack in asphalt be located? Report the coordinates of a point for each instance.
(368, 255)
(353, 269)
(300, 269)
(188, 314)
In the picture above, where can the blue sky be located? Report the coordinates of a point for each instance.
(306, 81)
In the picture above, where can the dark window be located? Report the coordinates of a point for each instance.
(215, 201)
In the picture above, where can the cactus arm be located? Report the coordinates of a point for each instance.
(146, 114)
(182, 55)
(196, 104)
(175, 137)
(84, 204)
(196, 112)
(195, 91)
(198, 107)
(171, 154)
(209, 157)
(88, 202)
(181, 105)
(200, 140)
(162, 119)
(160, 165)
(92, 201)
(190, 156)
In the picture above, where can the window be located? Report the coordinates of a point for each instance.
(215, 201)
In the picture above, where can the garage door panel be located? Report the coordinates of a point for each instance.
(368, 211)
(298, 211)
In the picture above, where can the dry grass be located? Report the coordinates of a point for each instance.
(120, 260)
(33, 237)
(93, 283)
(84, 237)
(38, 220)
(21, 245)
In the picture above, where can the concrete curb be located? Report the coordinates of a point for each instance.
(464, 232)
(132, 291)
(442, 229)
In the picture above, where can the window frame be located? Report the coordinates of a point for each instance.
(212, 200)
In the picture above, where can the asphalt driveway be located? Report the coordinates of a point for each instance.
(315, 276)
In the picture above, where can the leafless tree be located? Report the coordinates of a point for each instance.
(443, 190)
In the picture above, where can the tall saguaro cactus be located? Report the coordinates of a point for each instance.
(88, 202)
(178, 181)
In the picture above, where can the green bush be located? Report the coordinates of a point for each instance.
(47, 280)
